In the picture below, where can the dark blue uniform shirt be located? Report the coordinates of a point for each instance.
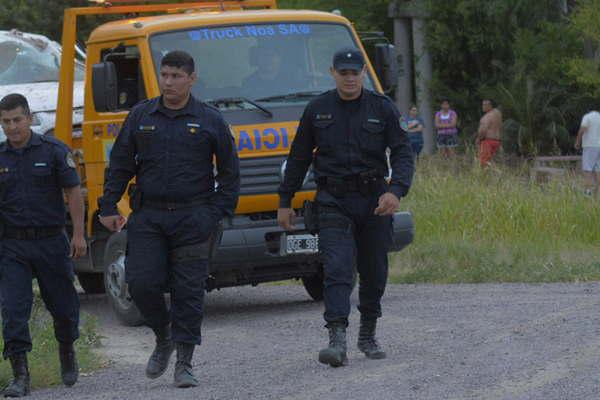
(350, 137)
(170, 152)
(31, 182)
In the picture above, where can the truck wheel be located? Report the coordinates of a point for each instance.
(114, 281)
(92, 283)
(314, 284)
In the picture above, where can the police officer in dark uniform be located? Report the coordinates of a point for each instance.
(168, 143)
(350, 128)
(35, 170)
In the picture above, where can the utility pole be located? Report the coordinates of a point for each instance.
(410, 24)
(402, 44)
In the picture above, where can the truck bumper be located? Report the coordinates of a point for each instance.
(249, 252)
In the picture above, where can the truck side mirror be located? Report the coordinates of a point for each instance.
(104, 86)
(386, 66)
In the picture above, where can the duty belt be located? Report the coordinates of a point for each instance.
(339, 187)
(32, 233)
(173, 205)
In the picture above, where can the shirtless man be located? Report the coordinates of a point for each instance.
(489, 132)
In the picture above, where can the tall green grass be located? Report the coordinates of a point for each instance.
(497, 225)
(44, 366)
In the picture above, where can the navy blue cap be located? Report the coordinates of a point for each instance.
(348, 58)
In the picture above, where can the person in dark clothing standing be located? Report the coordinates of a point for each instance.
(350, 128)
(168, 143)
(35, 171)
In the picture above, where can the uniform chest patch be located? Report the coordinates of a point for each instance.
(323, 117)
(40, 164)
(147, 128)
(192, 127)
(374, 120)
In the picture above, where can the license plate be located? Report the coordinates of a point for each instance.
(299, 244)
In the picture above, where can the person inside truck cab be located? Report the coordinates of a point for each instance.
(269, 78)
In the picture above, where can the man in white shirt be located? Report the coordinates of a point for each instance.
(589, 137)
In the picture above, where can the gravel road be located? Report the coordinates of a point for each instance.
(489, 342)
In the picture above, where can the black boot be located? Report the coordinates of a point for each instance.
(69, 370)
(159, 360)
(335, 354)
(19, 386)
(184, 376)
(366, 340)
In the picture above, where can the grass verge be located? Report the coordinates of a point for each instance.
(43, 359)
(497, 226)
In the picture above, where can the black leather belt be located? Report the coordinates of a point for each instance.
(32, 233)
(173, 205)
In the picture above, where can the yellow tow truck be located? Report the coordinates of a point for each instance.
(260, 66)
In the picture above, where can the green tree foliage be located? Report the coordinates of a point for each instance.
(43, 17)
(514, 51)
(585, 67)
(367, 15)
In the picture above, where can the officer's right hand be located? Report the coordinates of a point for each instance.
(285, 218)
(113, 223)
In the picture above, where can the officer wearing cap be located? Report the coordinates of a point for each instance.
(168, 144)
(35, 171)
(344, 133)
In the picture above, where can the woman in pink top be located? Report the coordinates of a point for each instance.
(447, 134)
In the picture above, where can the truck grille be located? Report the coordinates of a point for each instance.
(261, 175)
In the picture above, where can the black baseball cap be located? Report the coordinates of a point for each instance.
(348, 58)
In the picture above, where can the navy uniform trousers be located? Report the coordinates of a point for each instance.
(363, 243)
(48, 261)
(152, 234)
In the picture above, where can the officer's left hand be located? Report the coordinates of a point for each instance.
(78, 247)
(388, 204)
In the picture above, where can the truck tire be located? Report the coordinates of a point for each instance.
(314, 284)
(114, 281)
(92, 283)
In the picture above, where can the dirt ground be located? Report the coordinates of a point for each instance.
(505, 341)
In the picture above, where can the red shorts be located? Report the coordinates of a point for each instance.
(487, 149)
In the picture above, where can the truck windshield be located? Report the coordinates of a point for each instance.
(23, 62)
(278, 63)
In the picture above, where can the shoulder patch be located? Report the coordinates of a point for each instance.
(70, 161)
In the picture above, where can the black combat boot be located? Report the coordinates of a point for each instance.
(19, 386)
(159, 360)
(69, 370)
(366, 340)
(335, 354)
(184, 376)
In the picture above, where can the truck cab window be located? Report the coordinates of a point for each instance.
(262, 62)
